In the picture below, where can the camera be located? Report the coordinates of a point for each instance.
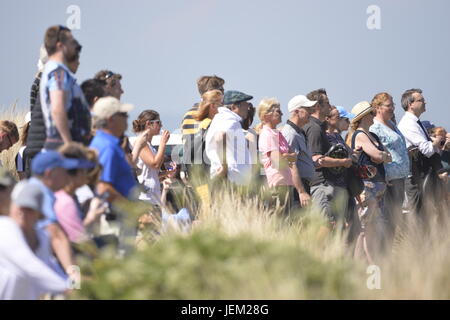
(109, 215)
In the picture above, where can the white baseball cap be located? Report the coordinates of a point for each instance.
(106, 107)
(299, 102)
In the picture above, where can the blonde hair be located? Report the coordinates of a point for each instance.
(438, 131)
(208, 98)
(353, 126)
(263, 109)
(379, 99)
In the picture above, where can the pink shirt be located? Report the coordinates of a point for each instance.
(272, 140)
(69, 216)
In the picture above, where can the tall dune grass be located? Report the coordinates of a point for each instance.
(240, 250)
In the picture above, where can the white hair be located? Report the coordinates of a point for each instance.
(43, 58)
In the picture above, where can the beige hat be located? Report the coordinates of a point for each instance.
(361, 109)
(106, 107)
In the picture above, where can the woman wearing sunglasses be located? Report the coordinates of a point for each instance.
(150, 159)
(371, 170)
(276, 157)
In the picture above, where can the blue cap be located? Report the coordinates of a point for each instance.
(344, 114)
(51, 159)
(233, 96)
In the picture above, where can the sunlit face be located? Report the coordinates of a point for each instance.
(333, 118)
(26, 218)
(368, 118)
(119, 123)
(274, 115)
(419, 104)
(303, 115)
(58, 178)
(80, 178)
(73, 66)
(115, 90)
(344, 124)
(325, 108)
(154, 126)
(386, 109)
(6, 141)
(242, 109)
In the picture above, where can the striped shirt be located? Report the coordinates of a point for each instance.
(35, 90)
(189, 126)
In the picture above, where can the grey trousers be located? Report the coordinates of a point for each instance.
(331, 201)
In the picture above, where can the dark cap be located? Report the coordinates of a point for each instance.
(232, 97)
(428, 125)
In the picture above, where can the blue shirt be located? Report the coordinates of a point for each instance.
(116, 169)
(56, 76)
(48, 204)
(395, 143)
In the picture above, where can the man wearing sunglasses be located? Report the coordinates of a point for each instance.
(424, 150)
(65, 111)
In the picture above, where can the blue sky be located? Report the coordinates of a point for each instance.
(264, 48)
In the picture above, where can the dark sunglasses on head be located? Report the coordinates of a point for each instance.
(122, 114)
(61, 28)
(109, 75)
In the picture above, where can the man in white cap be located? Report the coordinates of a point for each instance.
(323, 188)
(299, 108)
(111, 121)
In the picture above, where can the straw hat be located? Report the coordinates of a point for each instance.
(361, 109)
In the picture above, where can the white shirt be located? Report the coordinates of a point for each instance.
(19, 160)
(22, 274)
(238, 157)
(148, 178)
(414, 135)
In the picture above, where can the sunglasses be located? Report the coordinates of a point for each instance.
(159, 122)
(60, 30)
(275, 109)
(122, 114)
(109, 75)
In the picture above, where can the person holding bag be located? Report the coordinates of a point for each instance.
(371, 171)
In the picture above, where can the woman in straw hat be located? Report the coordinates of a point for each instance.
(371, 170)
